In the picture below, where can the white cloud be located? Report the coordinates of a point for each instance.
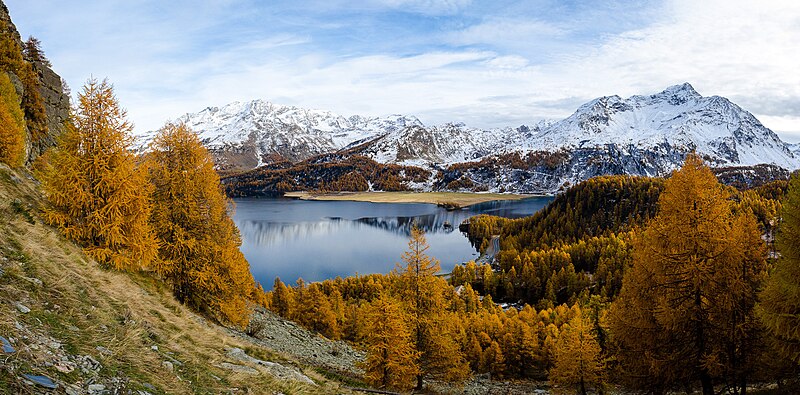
(505, 32)
(740, 49)
(432, 7)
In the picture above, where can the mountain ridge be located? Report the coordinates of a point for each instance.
(639, 135)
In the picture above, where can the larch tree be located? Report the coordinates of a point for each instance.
(12, 125)
(198, 242)
(314, 311)
(98, 195)
(780, 300)
(577, 359)
(392, 360)
(686, 308)
(423, 294)
(12, 61)
(32, 51)
(283, 302)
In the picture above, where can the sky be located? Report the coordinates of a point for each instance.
(487, 63)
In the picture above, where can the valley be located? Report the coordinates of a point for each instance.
(266, 148)
(319, 240)
(643, 243)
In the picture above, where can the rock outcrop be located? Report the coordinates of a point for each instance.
(56, 102)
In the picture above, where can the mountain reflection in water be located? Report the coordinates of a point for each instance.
(317, 240)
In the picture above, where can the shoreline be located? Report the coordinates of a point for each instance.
(462, 199)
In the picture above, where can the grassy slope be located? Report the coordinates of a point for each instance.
(82, 306)
(460, 198)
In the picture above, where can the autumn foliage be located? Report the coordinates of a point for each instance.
(671, 240)
(99, 197)
(198, 242)
(686, 310)
(578, 359)
(12, 124)
(12, 60)
(166, 214)
(780, 305)
(392, 362)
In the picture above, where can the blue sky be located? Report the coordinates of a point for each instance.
(486, 63)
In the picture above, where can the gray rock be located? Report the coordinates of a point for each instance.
(56, 103)
(96, 388)
(33, 280)
(65, 366)
(22, 308)
(273, 368)
(167, 365)
(104, 350)
(89, 363)
(43, 381)
(73, 390)
(7, 347)
(173, 360)
(238, 368)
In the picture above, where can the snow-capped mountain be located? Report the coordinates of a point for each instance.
(247, 135)
(679, 119)
(640, 135)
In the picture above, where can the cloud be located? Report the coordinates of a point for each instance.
(487, 65)
(512, 32)
(431, 7)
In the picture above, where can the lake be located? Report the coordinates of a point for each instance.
(318, 240)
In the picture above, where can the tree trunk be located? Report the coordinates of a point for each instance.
(705, 381)
(419, 383)
(583, 387)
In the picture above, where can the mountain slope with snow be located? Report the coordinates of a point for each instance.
(678, 118)
(639, 135)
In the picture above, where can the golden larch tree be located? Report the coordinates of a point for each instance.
(32, 103)
(577, 359)
(423, 294)
(392, 360)
(199, 243)
(99, 197)
(283, 302)
(12, 124)
(314, 311)
(685, 311)
(780, 304)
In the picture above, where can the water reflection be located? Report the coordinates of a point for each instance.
(316, 240)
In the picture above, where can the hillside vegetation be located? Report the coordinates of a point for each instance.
(92, 330)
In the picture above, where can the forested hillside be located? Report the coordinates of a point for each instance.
(325, 173)
(570, 270)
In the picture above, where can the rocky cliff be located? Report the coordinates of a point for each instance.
(56, 102)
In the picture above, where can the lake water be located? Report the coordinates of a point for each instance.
(318, 240)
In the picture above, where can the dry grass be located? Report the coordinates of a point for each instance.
(462, 199)
(84, 306)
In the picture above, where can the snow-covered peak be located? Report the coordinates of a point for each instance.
(678, 118)
(665, 125)
(684, 91)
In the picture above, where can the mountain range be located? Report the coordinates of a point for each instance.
(640, 135)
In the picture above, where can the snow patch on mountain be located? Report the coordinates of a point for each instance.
(643, 135)
(678, 117)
